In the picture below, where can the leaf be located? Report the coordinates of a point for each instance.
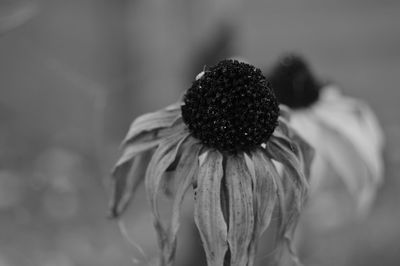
(151, 121)
(126, 181)
(186, 170)
(207, 212)
(162, 158)
(265, 196)
(241, 216)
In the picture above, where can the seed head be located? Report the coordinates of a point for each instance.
(230, 107)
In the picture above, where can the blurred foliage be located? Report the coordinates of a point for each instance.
(73, 74)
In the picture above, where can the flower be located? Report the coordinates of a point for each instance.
(221, 140)
(344, 132)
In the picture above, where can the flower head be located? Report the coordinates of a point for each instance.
(222, 141)
(344, 132)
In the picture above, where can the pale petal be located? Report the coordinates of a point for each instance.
(281, 152)
(121, 178)
(151, 121)
(125, 181)
(289, 137)
(284, 111)
(186, 170)
(345, 134)
(297, 144)
(162, 158)
(306, 155)
(241, 216)
(265, 196)
(265, 191)
(296, 191)
(146, 142)
(294, 203)
(304, 123)
(346, 160)
(354, 119)
(208, 213)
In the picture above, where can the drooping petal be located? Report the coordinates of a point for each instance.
(186, 170)
(306, 154)
(265, 196)
(355, 120)
(241, 215)
(281, 152)
(291, 205)
(288, 137)
(130, 151)
(265, 191)
(295, 185)
(208, 214)
(284, 112)
(151, 121)
(281, 194)
(162, 158)
(125, 182)
(353, 170)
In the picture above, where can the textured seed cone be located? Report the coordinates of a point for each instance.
(230, 107)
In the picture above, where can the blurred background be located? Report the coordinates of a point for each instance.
(73, 75)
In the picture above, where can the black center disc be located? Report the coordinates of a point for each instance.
(230, 107)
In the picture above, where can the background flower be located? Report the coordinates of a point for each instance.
(347, 138)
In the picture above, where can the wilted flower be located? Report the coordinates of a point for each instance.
(343, 130)
(222, 141)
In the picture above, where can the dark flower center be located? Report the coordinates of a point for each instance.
(293, 82)
(230, 107)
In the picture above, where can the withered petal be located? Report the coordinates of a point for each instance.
(162, 158)
(208, 214)
(265, 196)
(125, 182)
(241, 215)
(151, 121)
(186, 170)
(279, 151)
(284, 112)
(352, 168)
